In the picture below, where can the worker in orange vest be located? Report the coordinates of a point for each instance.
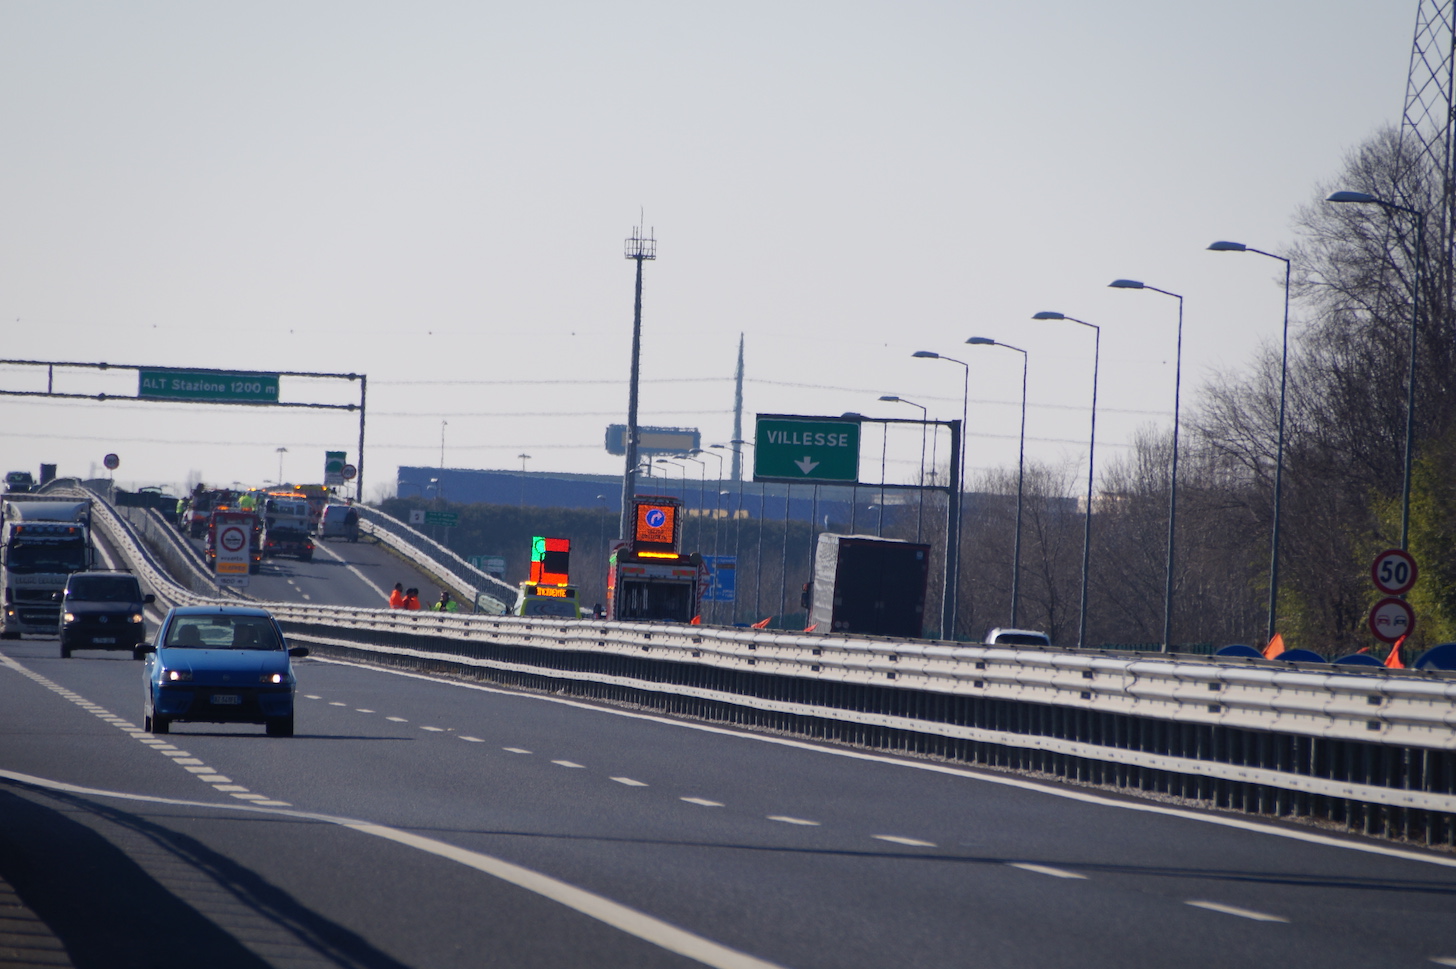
(396, 598)
(411, 600)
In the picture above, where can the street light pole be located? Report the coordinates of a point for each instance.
(1410, 392)
(1279, 450)
(1173, 478)
(281, 451)
(1020, 474)
(920, 487)
(958, 474)
(640, 250)
(1091, 457)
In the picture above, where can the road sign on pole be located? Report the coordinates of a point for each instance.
(1394, 572)
(1391, 619)
(722, 578)
(111, 462)
(334, 467)
(446, 519)
(814, 450)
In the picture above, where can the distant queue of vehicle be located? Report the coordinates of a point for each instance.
(282, 521)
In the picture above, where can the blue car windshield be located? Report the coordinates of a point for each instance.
(222, 632)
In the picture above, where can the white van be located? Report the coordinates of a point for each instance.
(339, 521)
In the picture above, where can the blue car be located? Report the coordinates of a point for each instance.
(220, 664)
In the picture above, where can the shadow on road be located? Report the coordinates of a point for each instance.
(110, 913)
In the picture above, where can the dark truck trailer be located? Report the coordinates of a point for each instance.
(869, 586)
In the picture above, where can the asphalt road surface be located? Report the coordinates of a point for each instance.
(421, 822)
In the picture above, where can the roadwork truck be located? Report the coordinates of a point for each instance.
(869, 586)
(42, 541)
(648, 578)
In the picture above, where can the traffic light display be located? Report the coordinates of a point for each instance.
(550, 560)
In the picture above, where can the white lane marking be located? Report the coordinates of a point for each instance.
(897, 840)
(397, 719)
(516, 750)
(1242, 913)
(701, 800)
(1444, 960)
(252, 797)
(336, 703)
(1047, 870)
(567, 763)
(193, 765)
(473, 740)
(788, 820)
(637, 924)
(320, 546)
(434, 729)
(629, 782)
(965, 772)
(362, 710)
(307, 596)
(273, 803)
(312, 696)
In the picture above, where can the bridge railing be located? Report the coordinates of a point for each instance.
(486, 591)
(1373, 750)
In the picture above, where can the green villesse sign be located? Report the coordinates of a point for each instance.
(807, 449)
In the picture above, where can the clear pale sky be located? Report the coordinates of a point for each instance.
(436, 194)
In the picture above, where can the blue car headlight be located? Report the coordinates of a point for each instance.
(274, 678)
(176, 676)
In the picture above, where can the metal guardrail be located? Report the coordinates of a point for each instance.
(1373, 750)
(486, 591)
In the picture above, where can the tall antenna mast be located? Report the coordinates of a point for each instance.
(1426, 126)
(640, 249)
(738, 415)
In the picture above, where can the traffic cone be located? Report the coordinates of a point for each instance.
(763, 624)
(1275, 647)
(1392, 661)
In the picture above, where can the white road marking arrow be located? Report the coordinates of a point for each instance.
(807, 464)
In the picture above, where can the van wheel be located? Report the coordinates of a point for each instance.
(65, 651)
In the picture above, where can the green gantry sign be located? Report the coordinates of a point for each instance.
(221, 386)
(814, 450)
(446, 519)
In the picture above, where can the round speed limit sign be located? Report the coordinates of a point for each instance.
(1394, 572)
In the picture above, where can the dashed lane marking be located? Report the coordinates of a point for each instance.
(629, 782)
(1047, 870)
(788, 820)
(473, 740)
(434, 729)
(569, 763)
(516, 750)
(182, 758)
(362, 710)
(1242, 913)
(336, 703)
(1444, 960)
(701, 800)
(1025, 784)
(397, 719)
(897, 840)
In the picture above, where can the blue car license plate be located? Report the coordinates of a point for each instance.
(226, 699)
(103, 639)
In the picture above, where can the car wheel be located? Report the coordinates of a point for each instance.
(65, 650)
(156, 724)
(137, 654)
(280, 727)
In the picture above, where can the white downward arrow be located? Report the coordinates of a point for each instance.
(807, 464)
